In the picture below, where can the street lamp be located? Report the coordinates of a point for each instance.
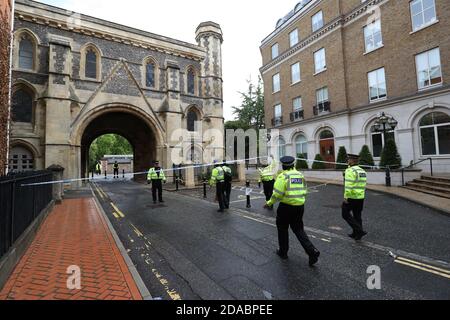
(384, 124)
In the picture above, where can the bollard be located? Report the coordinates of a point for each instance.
(259, 184)
(204, 189)
(92, 174)
(177, 183)
(248, 194)
(106, 174)
(123, 173)
(388, 177)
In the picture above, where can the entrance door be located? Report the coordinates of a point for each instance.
(327, 147)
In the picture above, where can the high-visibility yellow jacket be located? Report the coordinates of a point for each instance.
(217, 175)
(153, 175)
(98, 167)
(268, 173)
(227, 169)
(355, 183)
(290, 188)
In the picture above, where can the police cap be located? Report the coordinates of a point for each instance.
(352, 156)
(288, 161)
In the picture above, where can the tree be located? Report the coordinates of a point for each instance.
(251, 111)
(112, 144)
(390, 156)
(341, 158)
(318, 165)
(365, 157)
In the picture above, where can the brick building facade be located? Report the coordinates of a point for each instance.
(76, 77)
(332, 66)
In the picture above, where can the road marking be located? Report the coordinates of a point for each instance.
(424, 265)
(237, 201)
(136, 230)
(98, 191)
(117, 210)
(115, 215)
(422, 268)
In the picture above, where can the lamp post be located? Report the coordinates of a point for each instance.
(383, 125)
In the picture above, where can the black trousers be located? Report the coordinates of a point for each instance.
(116, 172)
(268, 189)
(220, 194)
(355, 221)
(157, 188)
(227, 191)
(291, 216)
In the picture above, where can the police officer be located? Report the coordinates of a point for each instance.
(116, 170)
(218, 179)
(156, 177)
(98, 168)
(266, 176)
(355, 192)
(228, 179)
(290, 190)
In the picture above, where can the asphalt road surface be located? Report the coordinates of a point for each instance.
(185, 250)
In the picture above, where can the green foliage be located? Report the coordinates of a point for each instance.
(318, 165)
(390, 156)
(301, 164)
(111, 144)
(365, 157)
(236, 124)
(341, 158)
(251, 111)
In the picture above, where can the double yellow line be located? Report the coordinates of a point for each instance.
(423, 266)
(116, 212)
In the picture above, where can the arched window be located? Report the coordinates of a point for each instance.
(281, 147)
(301, 147)
(192, 118)
(150, 75)
(435, 134)
(20, 159)
(91, 64)
(191, 81)
(326, 134)
(26, 53)
(22, 106)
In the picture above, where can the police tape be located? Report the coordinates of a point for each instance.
(338, 163)
(145, 172)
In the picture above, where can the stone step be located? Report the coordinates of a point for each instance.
(428, 187)
(437, 178)
(435, 183)
(437, 194)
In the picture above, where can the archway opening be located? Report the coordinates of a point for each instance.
(131, 128)
(109, 150)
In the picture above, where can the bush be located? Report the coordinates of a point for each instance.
(365, 157)
(318, 165)
(301, 163)
(390, 156)
(341, 158)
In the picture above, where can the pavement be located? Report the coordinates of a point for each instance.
(75, 234)
(185, 250)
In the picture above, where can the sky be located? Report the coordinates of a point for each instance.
(245, 23)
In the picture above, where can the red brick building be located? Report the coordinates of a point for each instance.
(5, 27)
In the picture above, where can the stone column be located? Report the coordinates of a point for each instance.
(189, 180)
(241, 172)
(58, 188)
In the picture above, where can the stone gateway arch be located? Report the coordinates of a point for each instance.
(76, 78)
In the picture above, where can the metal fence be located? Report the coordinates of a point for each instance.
(21, 205)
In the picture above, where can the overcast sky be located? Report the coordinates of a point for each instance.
(244, 24)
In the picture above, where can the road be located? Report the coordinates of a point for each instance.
(185, 250)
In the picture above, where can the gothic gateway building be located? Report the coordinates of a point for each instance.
(76, 77)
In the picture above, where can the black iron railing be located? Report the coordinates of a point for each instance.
(297, 115)
(413, 165)
(322, 108)
(21, 205)
(277, 121)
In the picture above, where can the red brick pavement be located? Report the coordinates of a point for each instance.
(75, 233)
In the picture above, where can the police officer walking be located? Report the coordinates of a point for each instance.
(228, 179)
(266, 176)
(116, 170)
(218, 179)
(98, 168)
(290, 189)
(355, 192)
(156, 177)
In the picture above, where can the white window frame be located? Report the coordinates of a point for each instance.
(372, 35)
(320, 13)
(428, 62)
(295, 81)
(378, 83)
(274, 56)
(425, 24)
(294, 109)
(436, 140)
(316, 70)
(293, 42)
(276, 76)
(383, 143)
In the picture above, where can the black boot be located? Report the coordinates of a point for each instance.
(360, 235)
(282, 256)
(314, 258)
